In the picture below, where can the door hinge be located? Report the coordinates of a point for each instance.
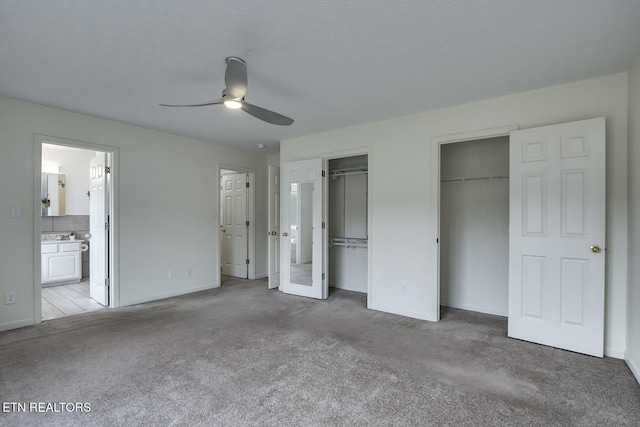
(324, 224)
(247, 185)
(322, 276)
(323, 174)
(247, 223)
(106, 282)
(106, 226)
(247, 261)
(107, 169)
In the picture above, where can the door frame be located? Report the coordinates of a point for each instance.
(325, 212)
(273, 214)
(113, 211)
(251, 217)
(437, 143)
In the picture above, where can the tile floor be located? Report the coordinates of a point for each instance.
(67, 300)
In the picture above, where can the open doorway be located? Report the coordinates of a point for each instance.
(237, 223)
(348, 223)
(474, 225)
(75, 240)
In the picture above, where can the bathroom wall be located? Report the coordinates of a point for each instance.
(53, 225)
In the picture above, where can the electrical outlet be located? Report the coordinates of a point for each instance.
(172, 274)
(403, 288)
(10, 298)
(189, 272)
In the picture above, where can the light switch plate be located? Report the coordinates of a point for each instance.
(16, 211)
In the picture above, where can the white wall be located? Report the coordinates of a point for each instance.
(168, 199)
(74, 163)
(633, 299)
(474, 226)
(403, 206)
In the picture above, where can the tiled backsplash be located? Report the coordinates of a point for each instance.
(67, 224)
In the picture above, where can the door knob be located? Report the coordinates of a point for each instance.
(285, 234)
(224, 230)
(273, 233)
(595, 249)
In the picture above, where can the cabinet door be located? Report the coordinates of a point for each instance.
(61, 267)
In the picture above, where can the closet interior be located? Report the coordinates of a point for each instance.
(348, 223)
(474, 225)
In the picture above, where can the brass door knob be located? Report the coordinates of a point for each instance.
(273, 233)
(224, 230)
(285, 234)
(595, 249)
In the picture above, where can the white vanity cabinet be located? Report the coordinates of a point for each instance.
(61, 261)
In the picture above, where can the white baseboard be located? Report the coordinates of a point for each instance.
(635, 367)
(348, 288)
(401, 312)
(16, 324)
(174, 293)
(612, 352)
(503, 313)
(261, 276)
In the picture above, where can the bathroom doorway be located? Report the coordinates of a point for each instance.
(76, 239)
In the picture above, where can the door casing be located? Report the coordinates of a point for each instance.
(251, 236)
(113, 209)
(437, 143)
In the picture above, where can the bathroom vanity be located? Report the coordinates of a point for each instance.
(61, 262)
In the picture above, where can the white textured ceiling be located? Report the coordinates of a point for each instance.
(327, 64)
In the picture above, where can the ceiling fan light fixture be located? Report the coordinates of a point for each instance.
(233, 104)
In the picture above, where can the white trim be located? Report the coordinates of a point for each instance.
(634, 367)
(400, 312)
(436, 142)
(16, 324)
(611, 352)
(261, 276)
(475, 308)
(113, 154)
(251, 233)
(171, 294)
(475, 134)
(365, 151)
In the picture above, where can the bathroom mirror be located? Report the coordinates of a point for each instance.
(53, 194)
(300, 262)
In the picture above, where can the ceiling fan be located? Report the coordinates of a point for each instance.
(235, 78)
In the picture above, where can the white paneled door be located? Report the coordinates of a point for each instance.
(301, 243)
(234, 226)
(557, 236)
(274, 227)
(98, 229)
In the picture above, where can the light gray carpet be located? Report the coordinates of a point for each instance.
(244, 355)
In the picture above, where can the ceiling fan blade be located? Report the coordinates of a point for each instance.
(266, 115)
(216, 102)
(235, 77)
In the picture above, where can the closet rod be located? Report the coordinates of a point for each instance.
(348, 242)
(476, 178)
(337, 174)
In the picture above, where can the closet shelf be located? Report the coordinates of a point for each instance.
(349, 170)
(348, 242)
(475, 178)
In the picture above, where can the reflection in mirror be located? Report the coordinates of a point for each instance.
(53, 194)
(301, 233)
